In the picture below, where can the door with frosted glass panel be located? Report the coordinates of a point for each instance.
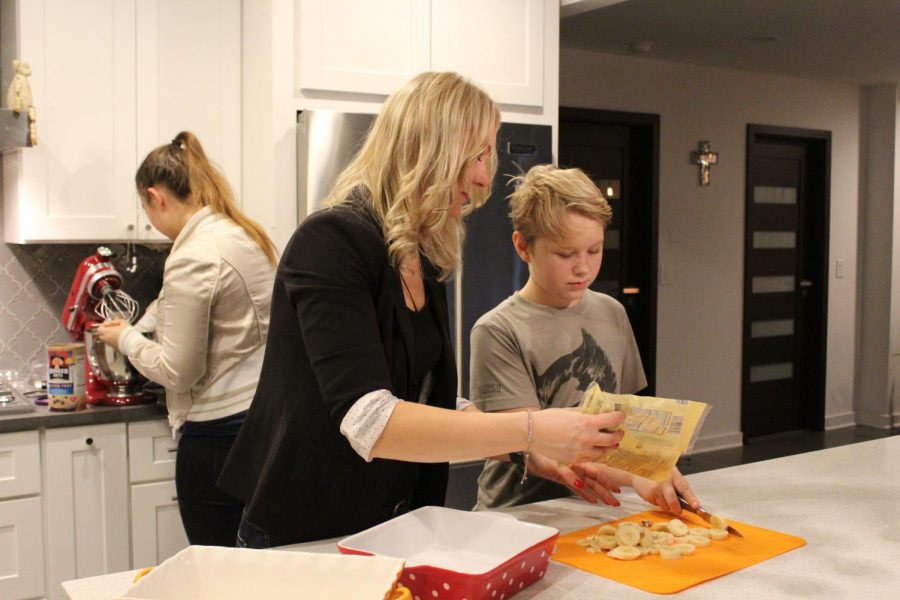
(785, 280)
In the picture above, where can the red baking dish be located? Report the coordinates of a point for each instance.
(455, 554)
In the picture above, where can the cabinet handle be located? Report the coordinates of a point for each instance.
(89, 441)
(172, 450)
(174, 498)
(147, 227)
(130, 227)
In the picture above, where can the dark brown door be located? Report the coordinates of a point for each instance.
(619, 152)
(785, 280)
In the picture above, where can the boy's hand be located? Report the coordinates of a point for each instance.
(586, 480)
(662, 493)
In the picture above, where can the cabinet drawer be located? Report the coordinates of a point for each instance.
(20, 464)
(151, 451)
(21, 549)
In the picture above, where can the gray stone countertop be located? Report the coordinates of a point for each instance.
(842, 501)
(43, 417)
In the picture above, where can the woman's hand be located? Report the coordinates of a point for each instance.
(568, 436)
(109, 332)
(662, 493)
(588, 480)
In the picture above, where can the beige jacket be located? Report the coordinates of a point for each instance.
(211, 321)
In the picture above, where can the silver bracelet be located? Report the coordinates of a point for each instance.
(527, 451)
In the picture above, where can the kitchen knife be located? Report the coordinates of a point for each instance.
(703, 514)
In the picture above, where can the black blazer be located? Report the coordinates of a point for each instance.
(339, 329)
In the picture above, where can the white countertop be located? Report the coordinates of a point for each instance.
(845, 502)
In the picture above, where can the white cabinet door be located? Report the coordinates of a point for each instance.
(156, 529)
(360, 46)
(76, 184)
(151, 451)
(20, 464)
(189, 66)
(498, 44)
(86, 496)
(111, 81)
(21, 549)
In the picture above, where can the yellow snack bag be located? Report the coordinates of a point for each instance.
(657, 430)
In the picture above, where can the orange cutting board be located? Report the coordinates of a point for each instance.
(654, 574)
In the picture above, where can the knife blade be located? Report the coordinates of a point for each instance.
(703, 514)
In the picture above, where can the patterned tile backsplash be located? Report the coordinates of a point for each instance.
(34, 283)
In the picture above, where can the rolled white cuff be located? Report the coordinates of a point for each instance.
(462, 403)
(365, 421)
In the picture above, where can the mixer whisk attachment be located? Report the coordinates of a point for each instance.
(117, 304)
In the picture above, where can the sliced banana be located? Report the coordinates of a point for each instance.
(678, 528)
(607, 530)
(605, 542)
(625, 553)
(696, 531)
(669, 553)
(718, 522)
(700, 541)
(671, 541)
(684, 548)
(629, 534)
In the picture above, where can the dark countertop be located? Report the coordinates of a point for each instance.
(91, 415)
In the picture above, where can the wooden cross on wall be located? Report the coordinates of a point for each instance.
(704, 158)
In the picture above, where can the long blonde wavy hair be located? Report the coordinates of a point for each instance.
(427, 133)
(183, 168)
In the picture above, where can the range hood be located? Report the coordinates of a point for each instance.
(13, 129)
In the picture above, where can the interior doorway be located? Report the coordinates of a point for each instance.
(785, 280)
(620, 152)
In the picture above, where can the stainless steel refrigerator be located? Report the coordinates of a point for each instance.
(326, 141)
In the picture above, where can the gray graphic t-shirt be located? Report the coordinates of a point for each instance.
(529, 355)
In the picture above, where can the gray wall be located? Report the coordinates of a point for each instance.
(34, 282)
(701, 238)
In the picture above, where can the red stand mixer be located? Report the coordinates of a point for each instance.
(95, 296)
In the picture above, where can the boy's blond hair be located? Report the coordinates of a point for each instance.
(543, 196)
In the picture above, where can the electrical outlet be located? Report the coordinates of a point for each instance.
(839, 269)
(663, 274)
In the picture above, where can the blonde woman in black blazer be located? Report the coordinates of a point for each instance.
(356, 415)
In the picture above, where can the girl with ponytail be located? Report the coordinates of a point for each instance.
(210, 322)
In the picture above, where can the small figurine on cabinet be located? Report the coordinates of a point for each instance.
(18, 97)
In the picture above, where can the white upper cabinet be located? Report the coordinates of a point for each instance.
(499, 44)
(76, 183)
(111, 80)
(189, 61)
(361, 46)
(372, 47)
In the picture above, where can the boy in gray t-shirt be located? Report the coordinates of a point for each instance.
(541, 347)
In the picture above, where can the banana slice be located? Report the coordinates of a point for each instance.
(629, 534)
(718, 534)
(667, 553)
(605, 542)
(718, 522)
(678, 528)
(700, 541)
(606, 530)
(684, 548)
(701, 531)
(625, 553)
(660, 527)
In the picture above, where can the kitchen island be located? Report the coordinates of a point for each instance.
(843, 501)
